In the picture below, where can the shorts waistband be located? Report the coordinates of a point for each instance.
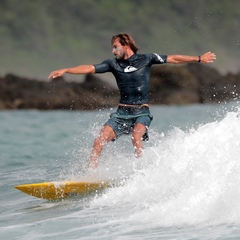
(133, 105)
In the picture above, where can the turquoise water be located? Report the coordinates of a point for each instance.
(186, 186)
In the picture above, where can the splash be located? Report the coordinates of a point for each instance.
(187, 177)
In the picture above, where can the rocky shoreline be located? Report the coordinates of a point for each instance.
(169, 84)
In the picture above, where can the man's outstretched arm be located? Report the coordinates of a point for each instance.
(207, 57)
(82, 69)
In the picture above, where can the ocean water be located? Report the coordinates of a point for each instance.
(186, 185)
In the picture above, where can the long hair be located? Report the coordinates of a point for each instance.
(126, 39)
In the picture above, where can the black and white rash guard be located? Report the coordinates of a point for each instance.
(132, 75)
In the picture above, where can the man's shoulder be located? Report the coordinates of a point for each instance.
(143, 55)
(110, 61)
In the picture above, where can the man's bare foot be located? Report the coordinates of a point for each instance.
(138, 152)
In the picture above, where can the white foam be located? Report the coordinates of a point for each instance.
(187, 177)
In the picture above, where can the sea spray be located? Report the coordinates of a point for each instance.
(189, 177)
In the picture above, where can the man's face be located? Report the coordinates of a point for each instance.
(118, 50)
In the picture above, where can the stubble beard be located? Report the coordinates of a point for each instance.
(120, 56)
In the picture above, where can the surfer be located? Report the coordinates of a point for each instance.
(132, 73)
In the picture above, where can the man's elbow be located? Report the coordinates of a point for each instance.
(92, 69)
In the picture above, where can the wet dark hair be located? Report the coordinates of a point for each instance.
(126, 39)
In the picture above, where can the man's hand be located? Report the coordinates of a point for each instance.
(57, 73)
(208, 57)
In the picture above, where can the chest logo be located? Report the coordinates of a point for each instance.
(130, 69)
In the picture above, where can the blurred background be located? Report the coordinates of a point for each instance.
(38, 36)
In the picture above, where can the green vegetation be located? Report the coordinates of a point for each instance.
(38, 36)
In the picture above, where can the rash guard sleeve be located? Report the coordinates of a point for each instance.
(102, 67)
(158, 59)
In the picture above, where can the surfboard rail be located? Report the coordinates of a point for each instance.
(59, 190)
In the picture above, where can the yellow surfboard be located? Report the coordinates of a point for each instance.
(58, 190)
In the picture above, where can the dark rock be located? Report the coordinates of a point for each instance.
(192, 83)
(20, 93)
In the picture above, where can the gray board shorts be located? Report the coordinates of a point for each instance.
(126, 117)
